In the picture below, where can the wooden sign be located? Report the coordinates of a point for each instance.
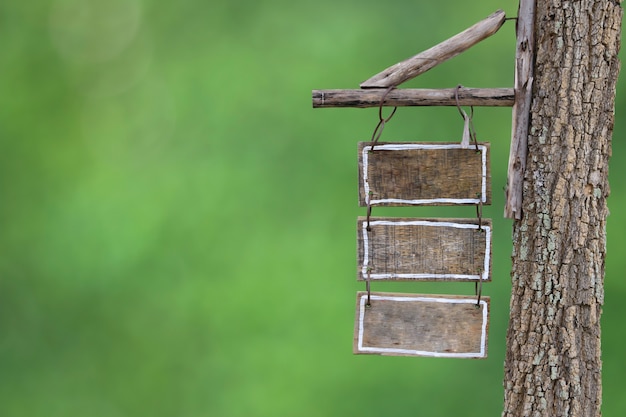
(421, 325)
(424, 249)
(426, 173)
(398, 174)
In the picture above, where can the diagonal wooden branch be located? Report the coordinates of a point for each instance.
(422, 62)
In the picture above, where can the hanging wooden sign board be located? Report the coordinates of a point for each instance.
(421, 325)
(424, 249)
(423, 173)
(435, 173)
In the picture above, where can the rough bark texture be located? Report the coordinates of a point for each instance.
(553, 365)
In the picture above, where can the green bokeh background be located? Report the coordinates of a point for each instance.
(177, 226)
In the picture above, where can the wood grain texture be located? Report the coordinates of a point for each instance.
(422, 62)
(424, 173)
(524, 61)
(493, 97)
(421, 325)
(424, 249)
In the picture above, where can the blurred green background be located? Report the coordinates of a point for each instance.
(177, 227)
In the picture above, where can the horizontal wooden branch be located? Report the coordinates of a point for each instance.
(422, 62)
(494, 97)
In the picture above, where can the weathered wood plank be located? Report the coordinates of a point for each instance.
(424, 173)
(421, 325)
(524, 62)
(494, 97)
(422, 62)
(423, 249)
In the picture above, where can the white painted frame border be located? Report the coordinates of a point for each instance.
(408, 146)
(483, 336)
(484, 276)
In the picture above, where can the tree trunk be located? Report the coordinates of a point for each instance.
(553, 365)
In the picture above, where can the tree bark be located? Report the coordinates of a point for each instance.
(553, 364)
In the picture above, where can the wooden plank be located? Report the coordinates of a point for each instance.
(524, 62)
(422, 62)
(423, 249)
(444, 326)
(494, 97)
(424, 173)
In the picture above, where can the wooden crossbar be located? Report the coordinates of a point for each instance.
(495, 97)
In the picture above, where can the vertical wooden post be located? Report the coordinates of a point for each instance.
(524, 62)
